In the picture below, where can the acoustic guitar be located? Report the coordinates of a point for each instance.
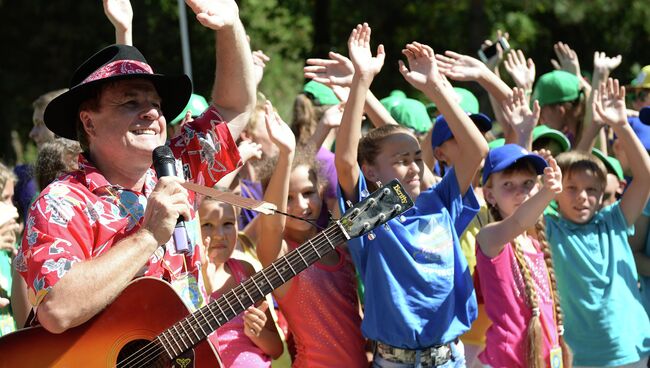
(148, 325)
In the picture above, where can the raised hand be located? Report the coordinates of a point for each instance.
(332, 117)
(422, 68)
(215, 14)
(553, 177)
(259, 63)
(521, 70)
(279, 132)
(567, 59)
(546, 154)
(609, 103)
(255, 319)
(604, 64)
(460, 67)
(119, 12)
(335, 71)
(493, 62)
(518, 115)
(359, 48)
(248, 150)
(8, 237)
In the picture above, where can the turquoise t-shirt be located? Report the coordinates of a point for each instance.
(596, 276)
(644, 281)
(418, 288)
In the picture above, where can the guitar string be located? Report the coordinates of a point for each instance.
(159, 348)
(154, 348)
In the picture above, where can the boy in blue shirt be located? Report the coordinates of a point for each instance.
(596, 277)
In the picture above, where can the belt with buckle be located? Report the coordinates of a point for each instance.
(432, 356)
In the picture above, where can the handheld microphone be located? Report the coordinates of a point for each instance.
(165, 165)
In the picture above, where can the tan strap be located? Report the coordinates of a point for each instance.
(233, 199)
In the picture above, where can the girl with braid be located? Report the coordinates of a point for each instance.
(516, 271)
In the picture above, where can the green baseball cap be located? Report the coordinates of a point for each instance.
(556, 87)
(496, 143)
(320, 93)
(411, 114)
(197, 104)
(393, 99)
(466, 100)
(543, 131)
(540, 132)
(611, 163)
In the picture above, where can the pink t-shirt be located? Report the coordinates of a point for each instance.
(506, 304)
(235, 348)
(322, 312)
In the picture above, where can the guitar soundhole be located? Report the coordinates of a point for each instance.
(142, 353)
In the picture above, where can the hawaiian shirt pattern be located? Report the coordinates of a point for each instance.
(81, 215)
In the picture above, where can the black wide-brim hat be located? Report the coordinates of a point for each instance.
(113, 63)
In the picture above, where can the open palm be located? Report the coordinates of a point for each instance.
(279, 132)
(459, 67)
(609, 103)
(337, 70)
(360, 54)
(421, 65)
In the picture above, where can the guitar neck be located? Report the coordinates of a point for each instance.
(198, 325)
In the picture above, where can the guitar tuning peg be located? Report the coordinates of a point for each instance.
(379, 184)
(386, 227)
(348, 203)
(371, 236)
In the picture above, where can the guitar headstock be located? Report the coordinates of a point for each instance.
(385, 203)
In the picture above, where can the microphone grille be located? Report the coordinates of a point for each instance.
(162, 154)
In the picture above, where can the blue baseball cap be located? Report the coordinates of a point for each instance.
(644, 115)
(640, 128)
(501, 158)
(441, 132)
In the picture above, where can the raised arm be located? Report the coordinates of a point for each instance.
(609, 105)
(365, 68)
(423, 74)
(270, 245)
(592, 125)
(339, 71)
(521, 120)
(522, 71)
(493, 237)
(120, 13)
(465, 68)
(234, 86)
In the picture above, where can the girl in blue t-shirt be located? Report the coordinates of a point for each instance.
(419, 296)
(596, 276)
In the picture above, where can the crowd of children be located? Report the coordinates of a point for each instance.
(526, 250)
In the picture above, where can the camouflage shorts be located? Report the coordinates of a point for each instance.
(430, 357)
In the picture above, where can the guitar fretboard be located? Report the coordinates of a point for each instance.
(198, 325)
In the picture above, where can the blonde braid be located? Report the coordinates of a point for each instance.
(533, 353)
(567, 354)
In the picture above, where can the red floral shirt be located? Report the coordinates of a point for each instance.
(81, 215)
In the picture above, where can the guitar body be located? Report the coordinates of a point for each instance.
(146, 308)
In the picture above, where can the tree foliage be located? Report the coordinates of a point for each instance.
(45, 41)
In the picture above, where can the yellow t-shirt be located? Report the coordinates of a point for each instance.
(476, 334)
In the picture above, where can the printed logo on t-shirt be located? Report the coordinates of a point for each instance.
(433, 245)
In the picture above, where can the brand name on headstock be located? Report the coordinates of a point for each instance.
(400, 194)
